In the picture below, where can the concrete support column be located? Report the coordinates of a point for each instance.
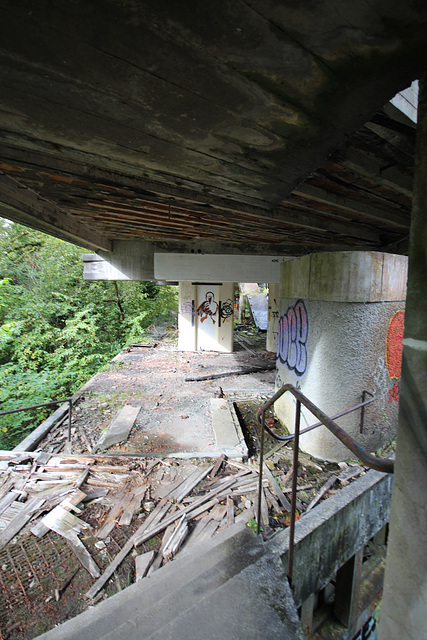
(205, 317)
(340, 335)
(403, 612)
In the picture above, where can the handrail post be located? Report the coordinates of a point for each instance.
(70, 404)
(294, 491)
(261, 463)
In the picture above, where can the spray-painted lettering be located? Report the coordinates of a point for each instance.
(293, 338)
(186, 308)
(394, 393)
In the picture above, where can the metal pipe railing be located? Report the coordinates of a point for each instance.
(386, 465)
(361, 406)
(46, 404)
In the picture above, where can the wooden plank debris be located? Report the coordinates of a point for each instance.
(20, 520)
(183, 502)
(277, 490)
(227, 374)
(328, 485)
(142, 564)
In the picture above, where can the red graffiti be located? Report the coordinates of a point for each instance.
(394, 345)
(394, 393)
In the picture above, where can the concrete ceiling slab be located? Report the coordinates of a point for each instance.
(246, 122)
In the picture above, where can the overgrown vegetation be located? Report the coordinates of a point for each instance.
(57, 330)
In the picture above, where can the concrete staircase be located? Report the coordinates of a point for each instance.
(232, 588)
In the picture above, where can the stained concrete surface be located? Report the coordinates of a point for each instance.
(174, 416)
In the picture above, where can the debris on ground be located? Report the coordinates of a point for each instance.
(94, 524)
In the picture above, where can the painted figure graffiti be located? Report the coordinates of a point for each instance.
(208, 308)
(293, 338)
(227, 309)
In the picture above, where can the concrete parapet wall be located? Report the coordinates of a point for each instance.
(333, 532)
(337, 339)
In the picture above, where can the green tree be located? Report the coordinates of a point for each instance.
(57, 330)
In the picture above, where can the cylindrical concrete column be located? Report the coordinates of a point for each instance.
(404, 609)
(340, 334)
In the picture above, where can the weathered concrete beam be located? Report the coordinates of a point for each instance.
(203, 262)
(214, 267)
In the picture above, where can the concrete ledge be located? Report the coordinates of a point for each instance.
(228, 433)
(333, 532)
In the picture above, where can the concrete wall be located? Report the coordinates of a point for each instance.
(273, 316)
(205, 317)
(340, 332)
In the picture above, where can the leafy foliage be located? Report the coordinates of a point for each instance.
(56, 330)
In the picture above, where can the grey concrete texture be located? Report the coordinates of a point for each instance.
(194, 597)
(228, 432)
(255, 603)
(346, 354)
(346, 276)
(120, 427)
(330, 534)
(403, 612)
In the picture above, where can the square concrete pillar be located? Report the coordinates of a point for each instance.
(205, 319)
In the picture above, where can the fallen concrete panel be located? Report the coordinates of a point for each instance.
(120, 428)
(259, 308)
(228, 433)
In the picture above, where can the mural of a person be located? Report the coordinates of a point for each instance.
(208, 308)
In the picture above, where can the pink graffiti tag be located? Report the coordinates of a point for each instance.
(293, 337)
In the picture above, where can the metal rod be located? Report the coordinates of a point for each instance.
(362, 407)
(69, 419)
(385, 465)
(319, 424)
(35, 406)
(294, 491)
(261, 463)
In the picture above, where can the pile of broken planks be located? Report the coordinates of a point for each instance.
(185, 502)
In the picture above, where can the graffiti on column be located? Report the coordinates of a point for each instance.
(186, 308)
(293, 338)
(227, 309)
(394, 346)
(208, 308)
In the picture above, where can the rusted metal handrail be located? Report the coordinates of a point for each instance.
(46, 404)
(361, 406)
(386, 465)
